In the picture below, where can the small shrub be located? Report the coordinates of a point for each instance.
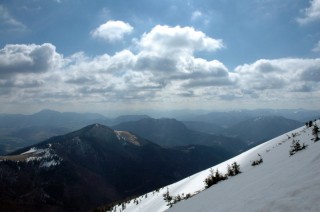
(234, 169)
(214, 178)
(315, 131)
(258, 161)
(167, 197)
(171, 200)
(188, 195)
(309, 124)
(295, 147)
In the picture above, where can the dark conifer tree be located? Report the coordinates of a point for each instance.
(230, 171)
(315, 132)
(236, 168)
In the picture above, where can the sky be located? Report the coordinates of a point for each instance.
(104, 55)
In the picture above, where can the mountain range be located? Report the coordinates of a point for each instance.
(18, 131)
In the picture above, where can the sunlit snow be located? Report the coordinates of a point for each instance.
(280, 183)
(46, 157)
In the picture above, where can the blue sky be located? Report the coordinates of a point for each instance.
(100, 56)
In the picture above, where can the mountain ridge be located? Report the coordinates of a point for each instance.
(259, 129)
(170, 132)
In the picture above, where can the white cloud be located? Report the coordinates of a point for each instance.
(281, 75)
(168, 54)
(311, 13)
(122, 77)
(22, 58)
(196, 15)
(164, 69)
(163, 63)
(317, 47)
(174, 41)
(8, 22)
(112, 31)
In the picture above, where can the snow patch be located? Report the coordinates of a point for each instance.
(118, 135)
(50, 163)
(32, 150)
(46, 157)
(127, 137)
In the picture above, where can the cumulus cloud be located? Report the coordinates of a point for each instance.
(175, 41)
(284, 75)
(311, 74)
(26, 71)
(163, 66)
(112, 31)
(122, 77)
(167, 53)
(163, 69)
(22, 58)
(311, 13)
(155, 63)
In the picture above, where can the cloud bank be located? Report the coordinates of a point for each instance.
(164, 68)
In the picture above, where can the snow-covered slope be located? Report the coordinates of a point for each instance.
(280, 183)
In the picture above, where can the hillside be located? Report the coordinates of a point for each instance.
(230, 118)
(259, 129)
(281, 183)
(170, 132)
(165, 132)
(127, 118)
(203, 127)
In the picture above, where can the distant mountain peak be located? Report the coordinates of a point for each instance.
(96, 126)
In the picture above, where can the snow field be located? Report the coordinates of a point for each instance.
(280, 183)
